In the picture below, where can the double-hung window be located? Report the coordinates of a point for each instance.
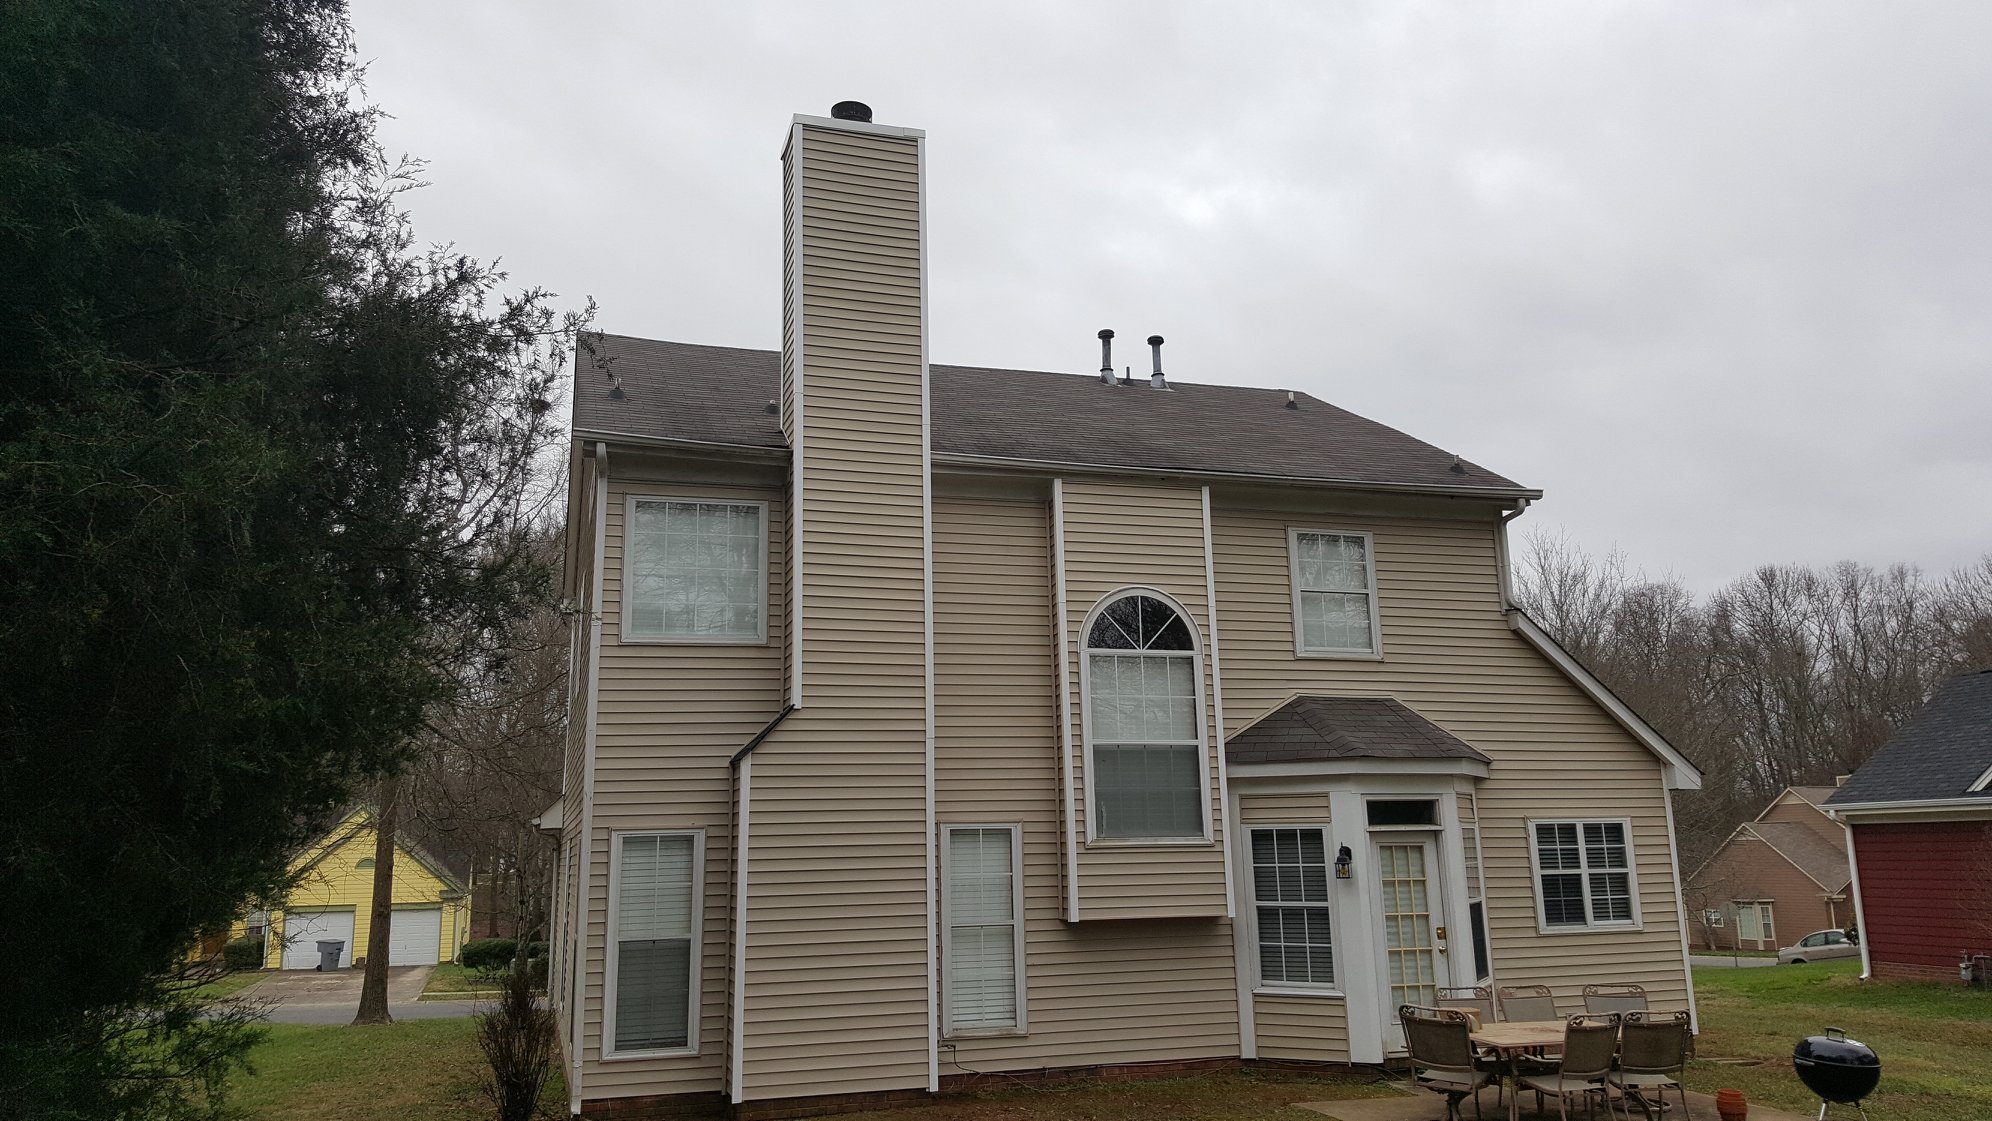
(1584, 874)
(1290, 896)
(695, 571)
(654, 903)
(982, 915)
(1334, 592)
(1145, 745)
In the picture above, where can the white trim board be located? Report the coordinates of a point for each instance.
(694, 937)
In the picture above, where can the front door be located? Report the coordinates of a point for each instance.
(1408, 884)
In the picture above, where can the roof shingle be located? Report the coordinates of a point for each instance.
(1309, 729)
(1809, 852)
(720, 395)
(1939, 753)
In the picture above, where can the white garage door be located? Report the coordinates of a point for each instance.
(303, 929)
(414, 936)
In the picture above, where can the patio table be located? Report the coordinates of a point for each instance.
(1512, 1038)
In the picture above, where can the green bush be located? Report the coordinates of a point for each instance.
(535, 950)
(243, 953)
(488, 955)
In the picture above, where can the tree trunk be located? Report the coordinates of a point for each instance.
(373, 988)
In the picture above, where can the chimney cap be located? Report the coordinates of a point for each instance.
(851, 111)
(1106, 332)
(1154, 340)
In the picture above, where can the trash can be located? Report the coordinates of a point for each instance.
(329, 950)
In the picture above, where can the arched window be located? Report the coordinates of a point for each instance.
(365, 865)
(1141, 709)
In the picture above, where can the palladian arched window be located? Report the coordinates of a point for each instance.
(1146, 754)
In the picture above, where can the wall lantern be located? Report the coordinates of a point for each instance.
(1342, 861)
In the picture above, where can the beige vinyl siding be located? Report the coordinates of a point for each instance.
(1095, 992)
(837, 919)
(1469, 840)
(1448, 653)
(1310, 1028)
(1283, 809)
(1119, 535)
(669, 717)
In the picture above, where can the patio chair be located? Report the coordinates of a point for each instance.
(1614, 998)
(1588, 1046)
(1442, 1058)
(1479, 998)
(1527, 1002)
(1653, 1050)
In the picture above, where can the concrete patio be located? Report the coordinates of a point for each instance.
(1423, 1105)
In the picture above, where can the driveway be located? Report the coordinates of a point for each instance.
(306, 996)
(1724, 961)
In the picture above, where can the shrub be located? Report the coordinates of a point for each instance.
(488, 955)
(535, 950)
(518, 1037)
(243, 953)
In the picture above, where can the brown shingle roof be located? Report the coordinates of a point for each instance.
(1308, 729)
(1807, 850)
(720, 395)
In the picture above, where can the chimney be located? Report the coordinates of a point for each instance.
(1155, 379)
(1106, 357)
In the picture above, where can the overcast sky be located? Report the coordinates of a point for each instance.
(1717, 277)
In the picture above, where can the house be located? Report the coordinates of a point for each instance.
(931, 720)
(1919, 833)
(1777, 878)
(333, 899)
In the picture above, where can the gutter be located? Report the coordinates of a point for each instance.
(741, 766)
(1055, 467)
(759, 736)
(1920, 806)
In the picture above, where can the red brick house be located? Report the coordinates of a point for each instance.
(1777, 878)
(1919, 819)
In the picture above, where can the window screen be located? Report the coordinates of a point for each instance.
(694, 570)
(1333, 592)
(982, 929)
(654, 927)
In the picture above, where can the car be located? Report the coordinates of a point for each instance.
(1820, 945)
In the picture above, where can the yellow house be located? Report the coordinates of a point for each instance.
(333, 899)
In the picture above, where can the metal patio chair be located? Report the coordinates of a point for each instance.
(1653, 1051)
(1527, 1002)
(1589, 1042)
(1442, 1058)
(1614, 998)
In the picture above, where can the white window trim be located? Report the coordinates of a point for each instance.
(1022, 1027)
(1196, 653)
(1261, 986)
(1590, 924)
(1300, 647)
(623, 635)
(694, 1002)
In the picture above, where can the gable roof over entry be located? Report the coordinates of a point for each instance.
(1310, 729)
(719, 397)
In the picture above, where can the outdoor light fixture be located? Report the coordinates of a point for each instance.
(1342, 861)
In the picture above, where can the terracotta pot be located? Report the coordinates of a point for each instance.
(1730, 1106)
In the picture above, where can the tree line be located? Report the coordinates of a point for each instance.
(1789, 675)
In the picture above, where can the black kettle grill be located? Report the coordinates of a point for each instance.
(1836, 1068)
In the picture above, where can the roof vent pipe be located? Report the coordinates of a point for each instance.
(1106, 357)
(1155, 379)
(851, 111)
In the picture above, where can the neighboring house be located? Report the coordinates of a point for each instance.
(1777, 878)
(933, 719)
(1919, 823)
(333, 899)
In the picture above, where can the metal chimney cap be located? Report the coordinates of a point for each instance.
(1107, 333)
(1154, 340)
(851, 111)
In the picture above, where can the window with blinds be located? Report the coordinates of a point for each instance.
(694, 571)
(1143, 721)
(1290, 891)
(1334, 592)
(1584, 874)
(653, 951)
(980, 909)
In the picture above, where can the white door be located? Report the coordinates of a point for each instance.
(414, 935)
(1407, 886)
(303, 929)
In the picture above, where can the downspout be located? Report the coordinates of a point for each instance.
(1860, 912)
(587, 831)
(742, 766)
(1501, 551)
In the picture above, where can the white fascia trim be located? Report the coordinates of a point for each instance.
(1860, 912)
(1471, 768)
(1680, 909)
(1055, 466)
(707, 448)
(1681, 774)
(1981, 783)
(1920, 807)
(586, 835)
(866, 128)
(927, 628)
(736, 1074)
(1071, 836)
(1217, 704)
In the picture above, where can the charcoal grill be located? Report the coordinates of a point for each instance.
(1836, 1068)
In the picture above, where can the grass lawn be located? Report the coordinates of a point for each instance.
(1240, 1096)
(416, 1068)
(229, 984)
(1933, 1039)
(450, 977)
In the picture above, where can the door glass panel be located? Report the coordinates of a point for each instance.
(1407, 926)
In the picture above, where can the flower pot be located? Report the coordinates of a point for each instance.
(1730, 1106)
